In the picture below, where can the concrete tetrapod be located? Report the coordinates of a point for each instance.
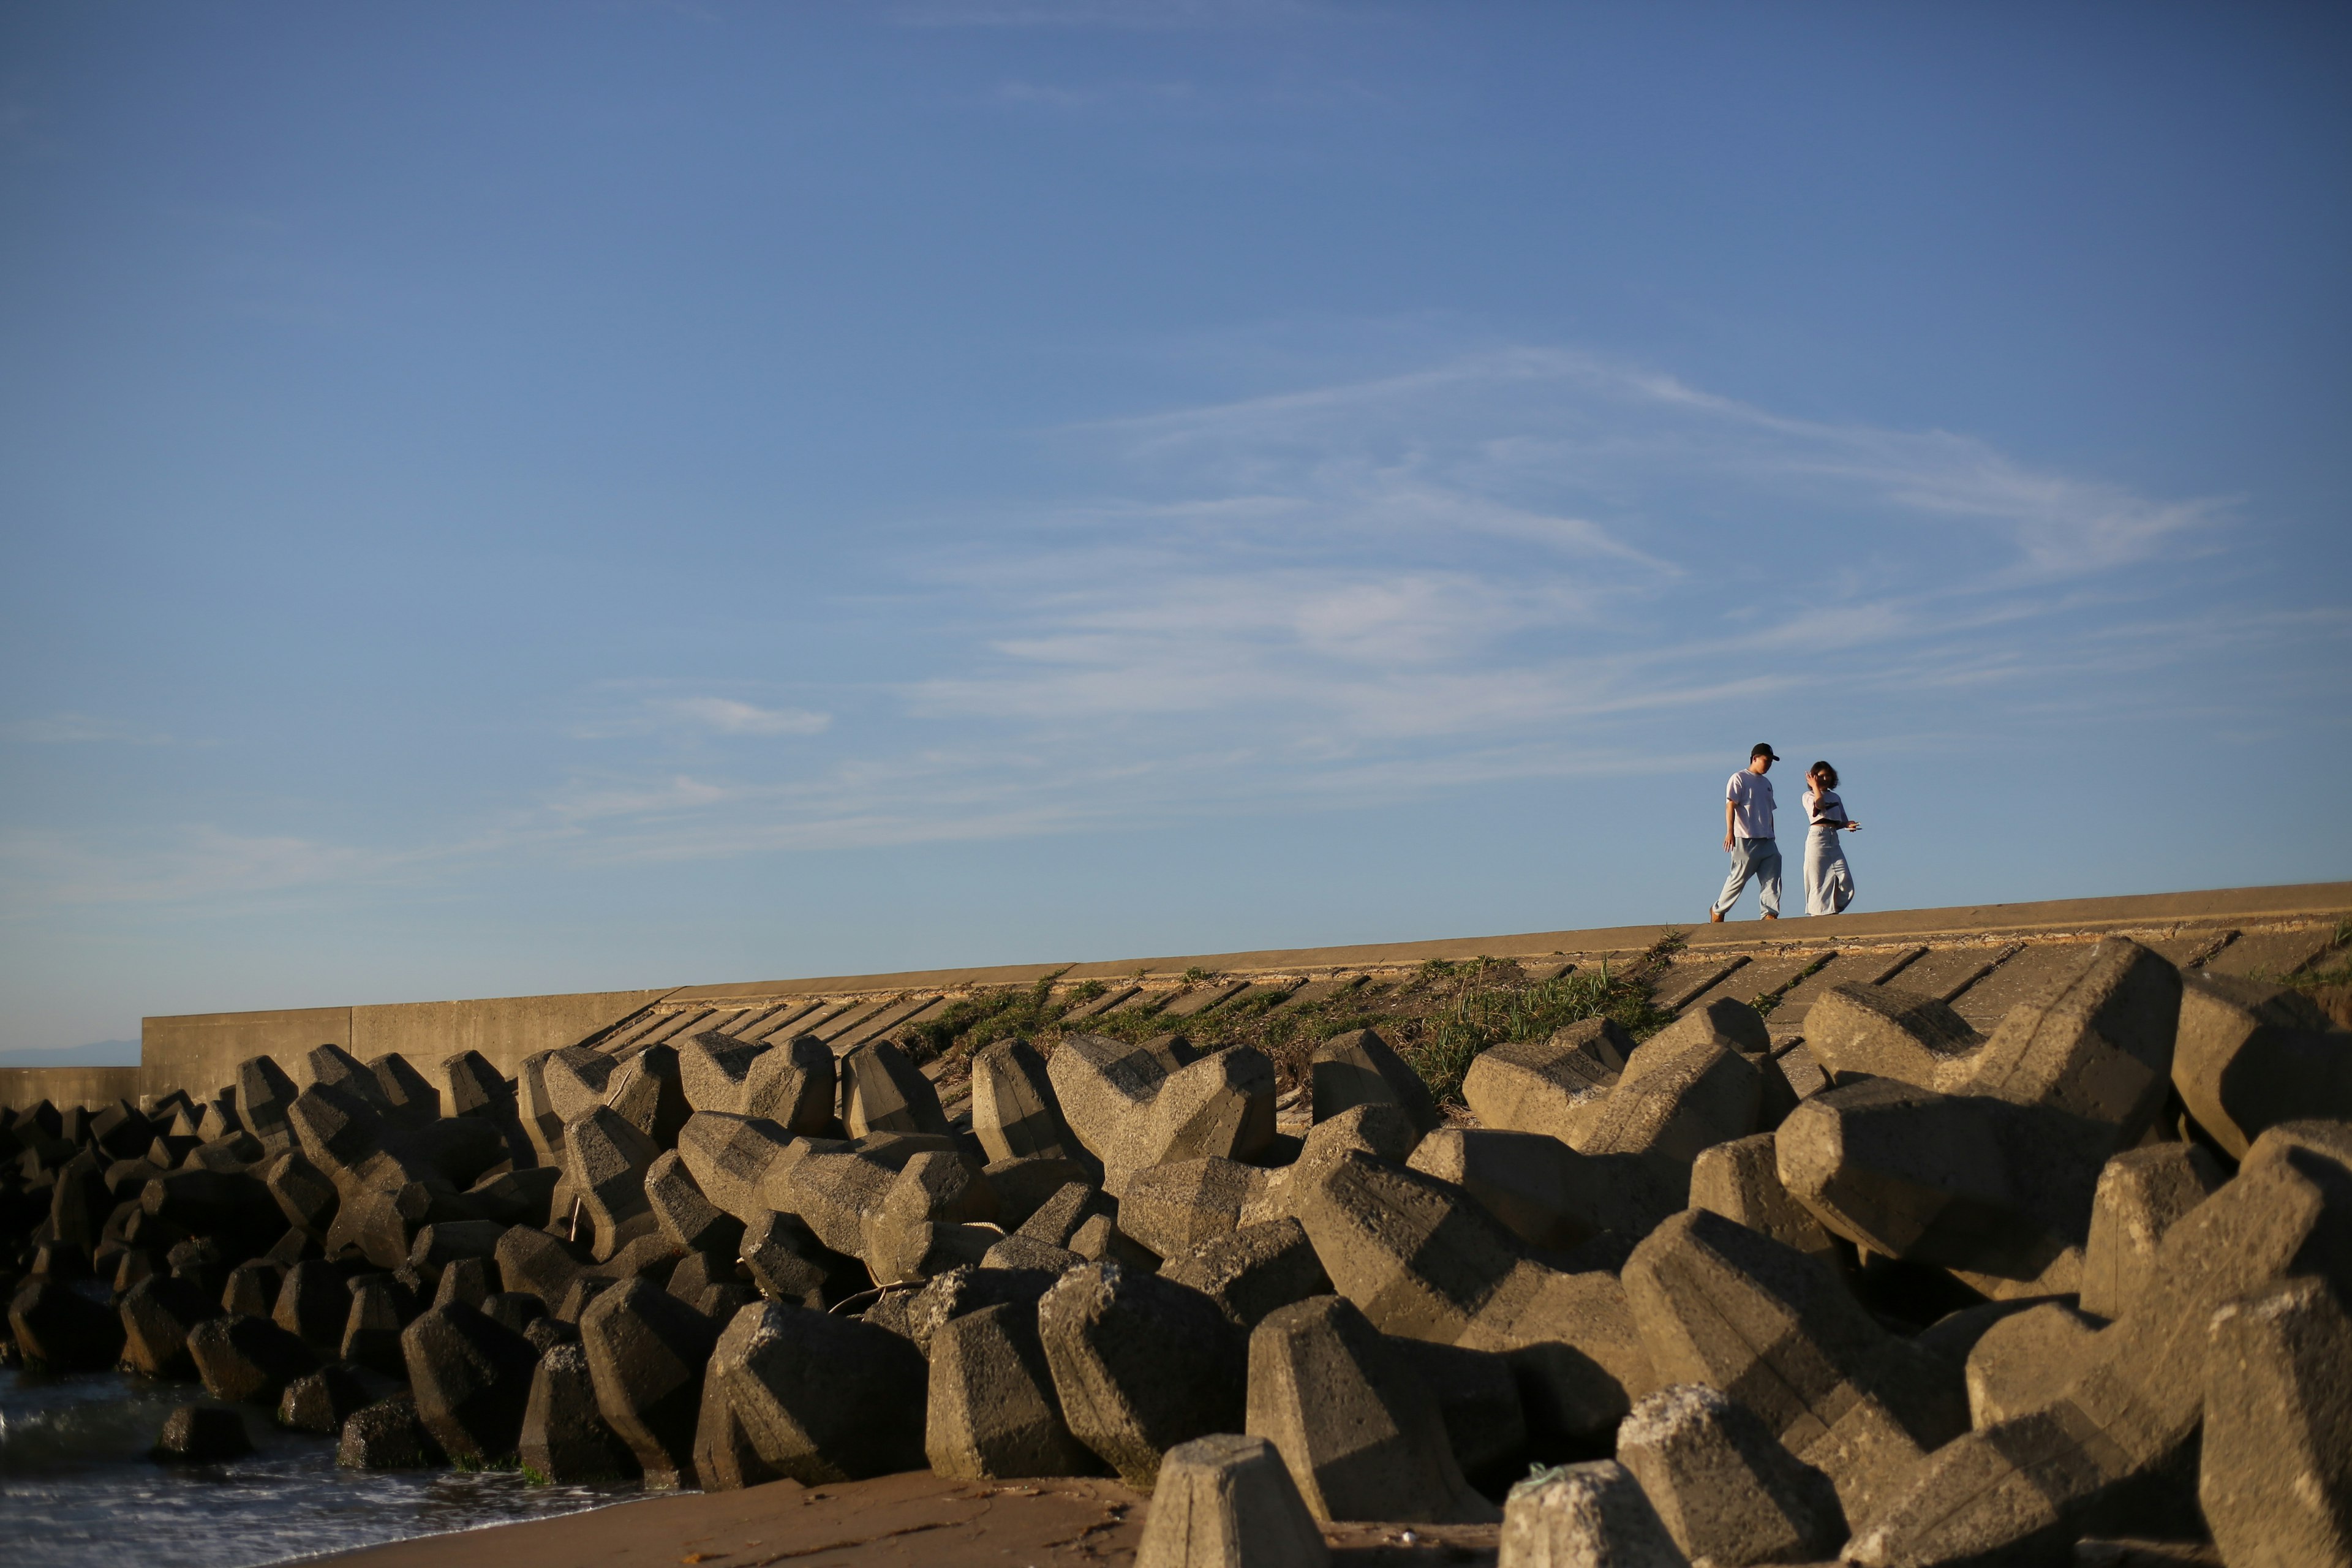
(1722, 1484)
(1553, 1086)
(1575, 1348)
(2086, 1070)
(408, 1096)
(1740, 1180)
(1102, 1085)
(1361, 1068)
(576, 1079)
(564, 1436)
(993, 1412)
(2276, 1479)
(1584, 1516)
(378, 1309)
(1383, 1130)
(646, 1354)
(1913, 1173)
(532, 1260)
(1544, 1191)
(605, 1158)
(264, 1095)
(822, 1398)
(203, 1434)
(304, 1195)
(472, 1280)
(1251, 1271)
(387, 1436)
(733, 1159)
(833, 1190)
(1722, 1304)
(725, 1458)
(793, 1085)
(1014, 1114)
(1220, 1107)
(711, 1069)
(1025, 1184)
(253, 1287)
(1700, 1095)
(157, 1315)
(471, 1378)
(927, 1220)
(788, 1263)
(882, 1091)
(321, 1401)
(1227, 1501)
(247, 1360)
(968, 1289)
(1884, 1031)
(685, 1215)
(2251, 1055)
(60, 1329)
(1174, 1207)
(2112, 1451)
(2025, 1361)
(1140, 1365)
(1413, 1252)
(1361, 1435)
(2141, 1195)
(1477, 1395)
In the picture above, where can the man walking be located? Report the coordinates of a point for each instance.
(1747, 834)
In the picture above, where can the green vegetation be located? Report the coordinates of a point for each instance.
(2332, 968)
(534, 1476)
(1488, 1003)
(994, 1014)
(1438, 1018)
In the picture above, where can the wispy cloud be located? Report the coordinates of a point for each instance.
(1529, 563)
(1118, 16)
(79, 729)
(725, 716)
(194, 863)
(627, 708)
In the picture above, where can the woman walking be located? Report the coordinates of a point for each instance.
(1829, 883)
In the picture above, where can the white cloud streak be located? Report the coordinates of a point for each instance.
(1523, 564)
(79, 729)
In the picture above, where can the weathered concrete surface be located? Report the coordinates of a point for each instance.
(200, 1048)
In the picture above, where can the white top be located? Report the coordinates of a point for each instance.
(1825, 809)
(1751, 795)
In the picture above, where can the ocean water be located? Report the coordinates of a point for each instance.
(77, 1489)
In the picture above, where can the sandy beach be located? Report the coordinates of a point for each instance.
(915, 1520)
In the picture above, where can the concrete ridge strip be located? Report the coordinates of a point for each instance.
(2300, 903)
(2087, 917)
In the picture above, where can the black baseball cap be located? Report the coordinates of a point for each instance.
(1761, 750)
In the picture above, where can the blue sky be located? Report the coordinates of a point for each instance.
(510, 498)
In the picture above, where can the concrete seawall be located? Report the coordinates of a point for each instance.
(2268, 928)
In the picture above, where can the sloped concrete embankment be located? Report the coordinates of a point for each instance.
(1900, 1287)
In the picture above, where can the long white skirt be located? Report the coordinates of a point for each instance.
(1829, 882)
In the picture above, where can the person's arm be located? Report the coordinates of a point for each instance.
(1731, 810)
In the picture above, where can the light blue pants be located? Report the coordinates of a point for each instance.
(1759, 858)
(1829, 882)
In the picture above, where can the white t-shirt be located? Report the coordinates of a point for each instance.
(1751, 795)
(1826, 807)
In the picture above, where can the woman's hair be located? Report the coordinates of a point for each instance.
(1827, 773)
